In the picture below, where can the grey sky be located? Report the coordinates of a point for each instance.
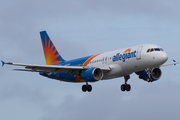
(79, 28)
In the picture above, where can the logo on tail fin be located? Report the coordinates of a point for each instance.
(52, 56)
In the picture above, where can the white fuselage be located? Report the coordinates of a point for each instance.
(125, 61)
(144, 60)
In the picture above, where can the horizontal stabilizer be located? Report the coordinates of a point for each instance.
(3, 63)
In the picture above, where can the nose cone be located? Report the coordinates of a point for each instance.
(163, 57)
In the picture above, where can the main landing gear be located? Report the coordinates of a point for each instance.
(86, 88)
(126, 86)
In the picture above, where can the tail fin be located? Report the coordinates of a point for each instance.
(52, 56)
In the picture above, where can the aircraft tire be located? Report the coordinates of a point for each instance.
(128, 87)
(123, 87)
(84, 88)
(89, 88)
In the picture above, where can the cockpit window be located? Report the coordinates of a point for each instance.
(148, 50)
(154, 49)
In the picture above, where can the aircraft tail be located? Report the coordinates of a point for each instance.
(52, 56)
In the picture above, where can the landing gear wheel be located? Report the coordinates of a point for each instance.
(123, 87)
(128, 87)
(89, 88)
(84, 88)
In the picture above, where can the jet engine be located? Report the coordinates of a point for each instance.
(92, 75)
(150, 75)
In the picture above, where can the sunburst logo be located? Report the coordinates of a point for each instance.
(128, 50)
(50, 52)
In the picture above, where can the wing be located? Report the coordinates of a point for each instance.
(173, 63)
(52, 68)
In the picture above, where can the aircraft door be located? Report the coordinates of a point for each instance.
(104, 60)
(138, 55)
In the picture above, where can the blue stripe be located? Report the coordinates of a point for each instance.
(75, 62)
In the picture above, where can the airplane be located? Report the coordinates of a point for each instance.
(144, 60)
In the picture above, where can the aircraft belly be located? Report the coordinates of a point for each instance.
(63, 77)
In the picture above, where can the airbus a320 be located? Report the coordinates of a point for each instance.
(144, 60)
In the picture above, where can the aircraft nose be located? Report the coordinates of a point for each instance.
(164, 57)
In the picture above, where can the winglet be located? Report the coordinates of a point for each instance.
(3, 63)
(175, 62)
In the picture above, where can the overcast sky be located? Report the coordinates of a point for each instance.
(79, 28)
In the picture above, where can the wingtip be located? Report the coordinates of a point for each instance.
(2, 63)
(176, 62)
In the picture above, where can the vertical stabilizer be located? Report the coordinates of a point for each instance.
(52, 56)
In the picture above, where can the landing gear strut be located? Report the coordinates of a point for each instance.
(86, 88)
(126, 86)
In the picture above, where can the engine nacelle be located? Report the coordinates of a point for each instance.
(155, 74)
(92, 75)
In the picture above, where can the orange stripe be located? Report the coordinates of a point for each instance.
(89, 59)
(78, 79)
